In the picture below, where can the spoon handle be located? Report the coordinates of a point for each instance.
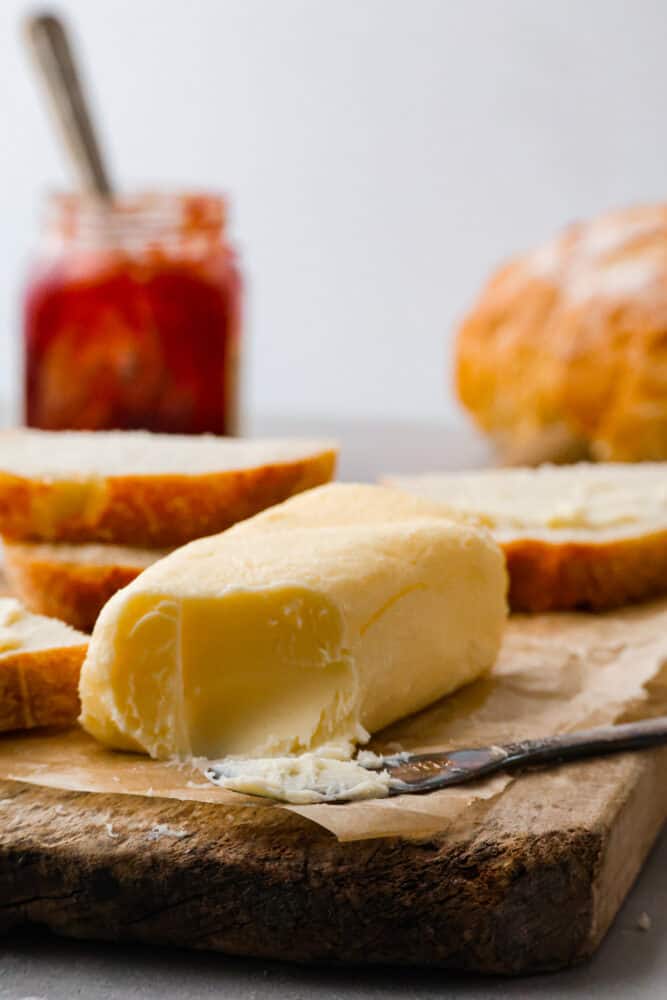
(53, 56)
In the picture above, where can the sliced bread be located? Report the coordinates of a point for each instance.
(148, 490)
(40, 662)
(580, 536)
(72, 582)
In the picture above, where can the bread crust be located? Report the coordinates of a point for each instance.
(74, 592)
(160, 511)
(40, 687)
(586, 575)
(564, 354)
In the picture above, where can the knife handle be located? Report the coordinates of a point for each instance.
(588, 743)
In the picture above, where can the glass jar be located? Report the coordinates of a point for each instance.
(132, 316)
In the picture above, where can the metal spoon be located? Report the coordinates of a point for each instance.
(54, 58)
(418, 773)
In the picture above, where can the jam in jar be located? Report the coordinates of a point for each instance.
(132, 316)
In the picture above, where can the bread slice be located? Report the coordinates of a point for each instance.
(147, 490)
(40, 662)
(578, 536)
(72, 582)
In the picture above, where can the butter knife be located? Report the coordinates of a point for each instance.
(418, 773)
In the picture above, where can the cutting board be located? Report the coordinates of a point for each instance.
(526, 883)
(532, 887)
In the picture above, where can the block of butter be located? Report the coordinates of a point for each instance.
(320, 620)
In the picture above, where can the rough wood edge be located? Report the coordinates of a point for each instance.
(641, 810)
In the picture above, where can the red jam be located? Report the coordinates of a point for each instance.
(132, 318)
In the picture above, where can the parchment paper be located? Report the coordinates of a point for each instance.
(555, 673)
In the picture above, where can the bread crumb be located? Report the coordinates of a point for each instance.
(164, 830)
(644, 922)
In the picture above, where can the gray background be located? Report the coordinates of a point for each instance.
(381, 156)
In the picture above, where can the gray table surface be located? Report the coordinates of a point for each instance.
(632, 962)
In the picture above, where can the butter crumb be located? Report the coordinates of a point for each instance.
(325, 775)
(644, 922)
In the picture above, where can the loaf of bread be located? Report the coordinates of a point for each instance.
(588, 536)
(318, 621)
(147, 490)
(564, 354)
(40, 663)
(72, 582)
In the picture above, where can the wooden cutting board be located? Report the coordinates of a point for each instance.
(530, 882)
(533, 887)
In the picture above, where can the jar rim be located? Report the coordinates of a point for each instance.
(146, 213)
